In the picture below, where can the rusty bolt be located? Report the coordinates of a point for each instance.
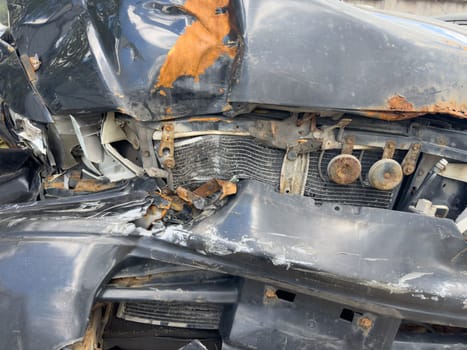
(365, 323)
(270, 293)
(169, 163)
(35, 62)
(408, 169)
(442, 141)
(415, 146)
(168, 127)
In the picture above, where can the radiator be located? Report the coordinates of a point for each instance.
(202, 158)
(173, 314)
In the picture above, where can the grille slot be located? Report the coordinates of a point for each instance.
(172, 314)
(219, 156)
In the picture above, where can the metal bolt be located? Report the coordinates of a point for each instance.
(292, 155)
(169, 163)
(408, 169)
(270, 293)
(365, 323)
(442, 164)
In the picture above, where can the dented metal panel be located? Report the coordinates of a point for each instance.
(164, 59)
(415, 273)
(329, 55)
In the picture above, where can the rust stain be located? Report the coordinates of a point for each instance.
(365, 324)
(399, 108)
(162, 93)
(202, 43)
(207, 189)
(400, 103)
(452, 107)
(80, 185)
(204, 119)
(190, 197)
(270, 293)
(227, 188)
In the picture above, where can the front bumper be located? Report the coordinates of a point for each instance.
(56, 258)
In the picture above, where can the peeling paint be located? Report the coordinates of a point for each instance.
(202, 43)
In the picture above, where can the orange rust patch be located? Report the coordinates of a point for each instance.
(392, 116)
(458, 110)
(204, 119)
(201, 45)
(401, 109)
(400, 103)
(365, 323)
(162, 93)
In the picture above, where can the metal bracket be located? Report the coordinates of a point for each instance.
(455, 171)
(167, 147)
(389, 149)
(410, 161)
(348, 145)
(150, 164)
(294, 172)
(327, 135)
(304, 146)
(426, 207)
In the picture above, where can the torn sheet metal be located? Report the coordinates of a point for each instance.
(15, 88)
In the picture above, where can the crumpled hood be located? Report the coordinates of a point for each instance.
(172, 58)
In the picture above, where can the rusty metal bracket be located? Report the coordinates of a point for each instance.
(167, 147)
(31, 65)
(348, 145)
(190, 197)
(294, 172)
(146, 146)
(389, 149)
(327, 135)
(410, 161)
(304, 146)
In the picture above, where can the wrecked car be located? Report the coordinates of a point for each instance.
(207, 174)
